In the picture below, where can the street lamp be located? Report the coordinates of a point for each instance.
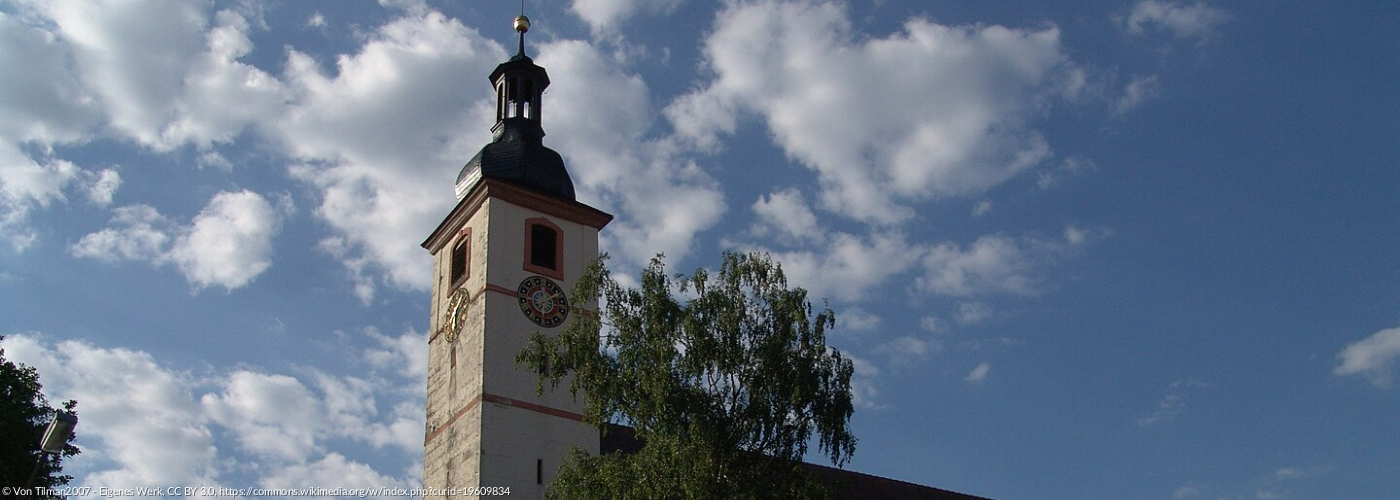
(55, 437)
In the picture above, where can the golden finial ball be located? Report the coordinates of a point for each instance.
(522, 24)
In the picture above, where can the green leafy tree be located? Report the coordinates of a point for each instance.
(725, 382)
(24, 414)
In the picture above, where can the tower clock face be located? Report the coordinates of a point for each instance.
(543, 301)
(455, 315)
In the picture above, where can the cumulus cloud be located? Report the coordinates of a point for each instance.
(407, 354)
(846, 266)
(44, 102)
(1371, 356)
(272, 416)
(1196, 20)
(141, 423)
(857, 319)
(161, 73)
(148, 423)
(228, 244)
(956, 120)
(785, 212)
(202, 114)
(134, 56)
(907, 349)
(333, 471)
(141, 233)
(24, 185)
(153, 71)
(996, 264)
(382, 134)
(992, 264)
(603, 15)
(598, 117)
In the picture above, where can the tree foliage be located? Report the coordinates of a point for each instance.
(725, 382)
(24, 414)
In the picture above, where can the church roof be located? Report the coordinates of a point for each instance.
(844, 484)
(522, 161)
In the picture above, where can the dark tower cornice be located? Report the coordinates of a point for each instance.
(516, 152)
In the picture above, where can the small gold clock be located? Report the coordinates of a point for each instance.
(455, 315)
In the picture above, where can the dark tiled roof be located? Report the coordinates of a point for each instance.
(844, 484)
(517, 155)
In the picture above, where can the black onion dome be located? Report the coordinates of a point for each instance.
(523, 161)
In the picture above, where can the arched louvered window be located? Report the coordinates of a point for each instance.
(544, 248)
(461, 257)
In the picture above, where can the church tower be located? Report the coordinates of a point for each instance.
(503, 260)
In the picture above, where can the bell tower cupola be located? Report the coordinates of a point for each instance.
(517, 152)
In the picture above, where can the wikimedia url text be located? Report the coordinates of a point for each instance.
(219, 491)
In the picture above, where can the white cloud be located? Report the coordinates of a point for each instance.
(145, 423)
(907, 349)
(1141, 89)
(24, 185)
(333, 471)
(385, 133)
(144, 70)
(992, 264)
(1181, 20)
(603, 15)
(978, 374)
(103, 187)
(273, 416)
(996, 264)
(133, 56)
(1372, 356)
(1071, 166)
(954, 121)
(407, 353)
(142, 234)
(43, 100)
(846, 266)
(228, 244)
(786, 212)
(857, 319)
(983, 207)
(140, 423)
(598, 117)
(863, 391)
(202, 114)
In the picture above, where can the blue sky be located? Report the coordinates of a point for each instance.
(1090, 250)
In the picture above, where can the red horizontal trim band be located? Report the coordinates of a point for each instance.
(554, 412)
(470, 404)
(500, 289)
(504, 401)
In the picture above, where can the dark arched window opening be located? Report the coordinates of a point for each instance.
(461, 258)
(544, 249)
